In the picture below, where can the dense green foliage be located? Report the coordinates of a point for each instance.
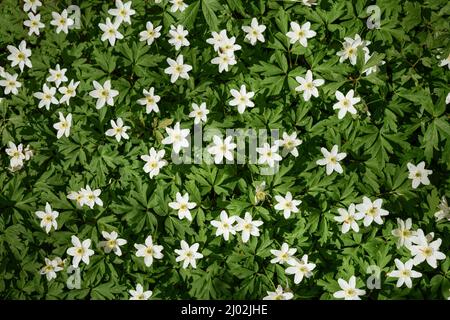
(402, 117)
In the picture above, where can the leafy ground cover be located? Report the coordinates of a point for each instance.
(96, 100)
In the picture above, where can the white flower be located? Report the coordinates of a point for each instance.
(68, 92)
(77, 196)
(177, 69)
(139, 293)
(91, 197)
(345, 103)
(10, 83)
(34, 23)
(176, 137)
(61, 21)
(242, 99)
(150, 101)
(423, 249)
(300, 34)
(418, 174)
(444, 212)
(349, 218)
(178, 37)
(224, 60)
(154, 162)
(404, 233)
(445, 62)
(372, 211)
(110, 31)
(217, 39)
(447, 99)
(287, 204)
(260, 194)
(48, 218)
(80, 251)
(103, 94)
(20, 56)
(188, 254)
(183, 206)
(222, 149)
(31, 5)
(64, 125)
(199, 113)
(254, 32)
(349, 51)
(177, 5)
(248, 226)
(373, 69)
(309, 3)
(308, 85)
(112, 243)
(289, 144)
(349, 290)
(122, 12)
(331, 160)
(16, 154)
(351, 47)
(228, 46)
(50, 269)
(283, 255)
(57, 75)
(46, 97)
(28, 152)
(225, 225)
(149, 251)
(268, 154)
(118, 130)
(300, 268)
(404, 273)
(150, 34)
(279, 294)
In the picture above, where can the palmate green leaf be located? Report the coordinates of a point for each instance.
(208, 8)
(190, 14)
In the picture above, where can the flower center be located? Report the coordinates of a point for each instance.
(333, 160)
(21, 56)
(183, 206)
(80, 251)
(372, 211)
(427, 251)
(62, 21)
(112, 243)
(350, 292)
(149, 251)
